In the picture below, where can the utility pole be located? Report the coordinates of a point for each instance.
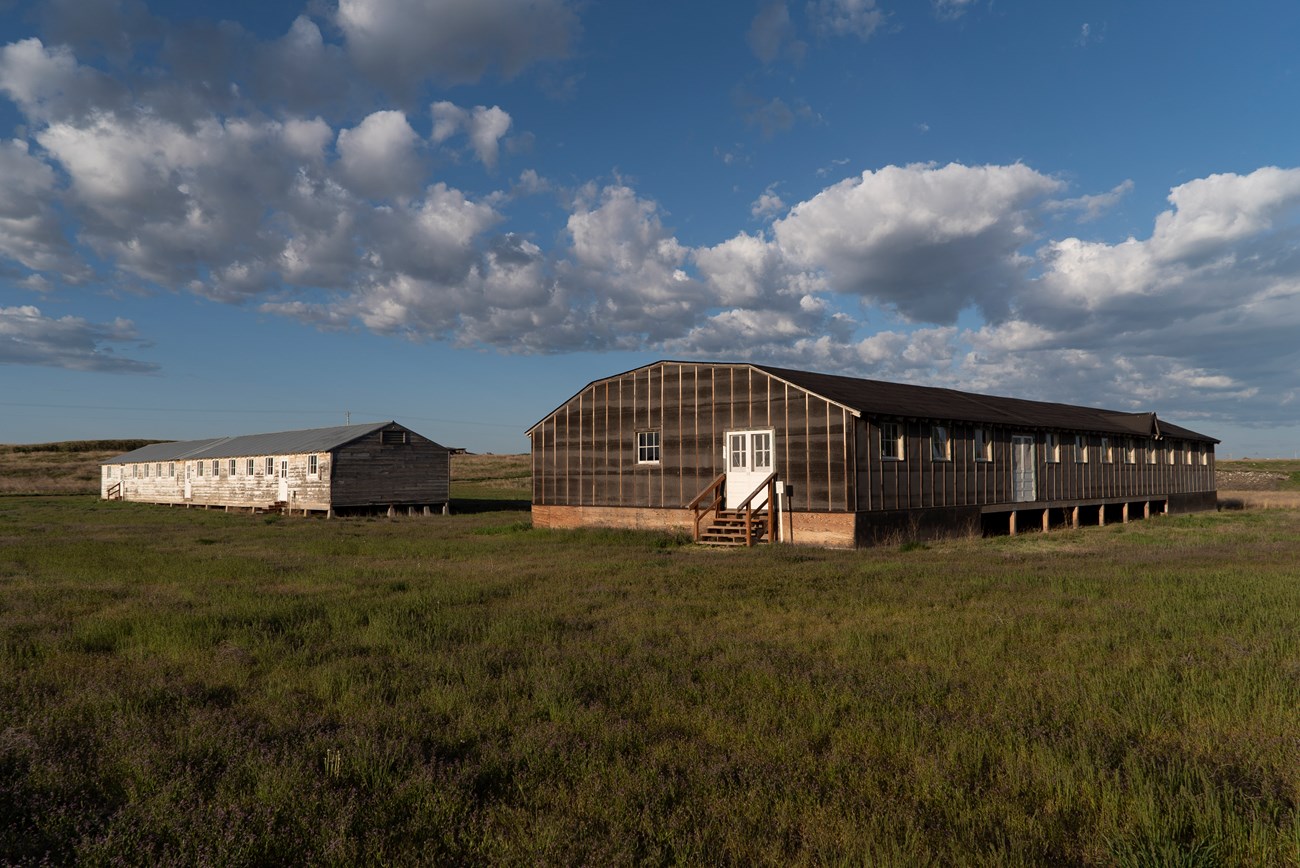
(347, 416)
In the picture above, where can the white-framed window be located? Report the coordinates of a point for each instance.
(157, 470)
(232, 469)
(647, 447)
(248, 467)
(216, 468)
(1130, 451)
(1107, 451)
(200, 466)
(983, 444)
(1153, 453)
(761, 446)
(171, 470)
(891, 441)
(1080, 449)
(270, 466)
(940, 444)
(736, 454)
(312, 465)
(1052, 447)
(146, 471)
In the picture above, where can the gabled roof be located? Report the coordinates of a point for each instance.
(882, 398)
(279, 443)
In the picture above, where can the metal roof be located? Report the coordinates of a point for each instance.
(879, 397)
(279, 443)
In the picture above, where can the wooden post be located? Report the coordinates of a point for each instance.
(428, 510)
(1124, 513)
(446, 508)
(1146, 509)
(1047, 519)
(1013, 522)
(1101, 515)
(392, 511)
(1074, 518)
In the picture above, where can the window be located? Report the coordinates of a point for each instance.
(270, 467)
(1080, 449)
(762, 449)
(940, 445)
(230, 471)
(736, 450)
(891, 441)
(1205, 454)
(1173, 453)
(216, 468)
(1153, 452)
(1107, 451)
(200, 464)
(146, 471)
(391, 437)
(1052, 447)
(1187, 454)
(647, 447)
(983, 445)
(311, 465)
(248, 467)
(171, 470)
(157, 471)
(1130, 451)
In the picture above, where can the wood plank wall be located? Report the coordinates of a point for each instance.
(370, 472)
(919, 481)
(584, 454)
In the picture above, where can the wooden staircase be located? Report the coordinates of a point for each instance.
(730, 526)
(742, 526)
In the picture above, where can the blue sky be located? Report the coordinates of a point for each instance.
(233, 217)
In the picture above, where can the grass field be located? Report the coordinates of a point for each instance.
(180, 686)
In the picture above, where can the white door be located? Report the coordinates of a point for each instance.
(1023, 477)
(189, 483)
(284, 480)
(749, 461)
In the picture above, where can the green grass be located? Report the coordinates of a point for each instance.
(187, 686)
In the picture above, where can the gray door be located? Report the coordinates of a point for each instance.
(1023, 476)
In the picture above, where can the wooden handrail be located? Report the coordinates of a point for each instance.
(114, 491)
(716, 488)
(747, 505)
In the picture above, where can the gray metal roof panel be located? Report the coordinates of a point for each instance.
(278, 443)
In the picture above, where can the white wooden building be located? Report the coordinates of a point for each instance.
(349, 468)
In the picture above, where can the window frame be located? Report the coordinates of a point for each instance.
(1051, 447)
(649, 447)
(313, 465)
(270, 467)
(216, 468)
(940, 443)
(1080, 449)
(895, 437)
(1107, 451)
(982, 443)
(1130, 450)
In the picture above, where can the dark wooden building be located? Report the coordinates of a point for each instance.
(349, 468)
(854, 460)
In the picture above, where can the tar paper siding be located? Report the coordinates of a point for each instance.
(584, 454)
(377, 470)
(919, 481)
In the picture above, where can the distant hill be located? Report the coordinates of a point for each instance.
(67, 467)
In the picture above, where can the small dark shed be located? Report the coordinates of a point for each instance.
(850, 461)
(346, 468)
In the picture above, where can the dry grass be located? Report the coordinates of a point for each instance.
(499, 472)
(58, 468)
(1259, 499)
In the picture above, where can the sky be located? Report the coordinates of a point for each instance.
(233, 217)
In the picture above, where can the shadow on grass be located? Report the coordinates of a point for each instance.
(464, 505)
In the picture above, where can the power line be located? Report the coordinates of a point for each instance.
(246, 411)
